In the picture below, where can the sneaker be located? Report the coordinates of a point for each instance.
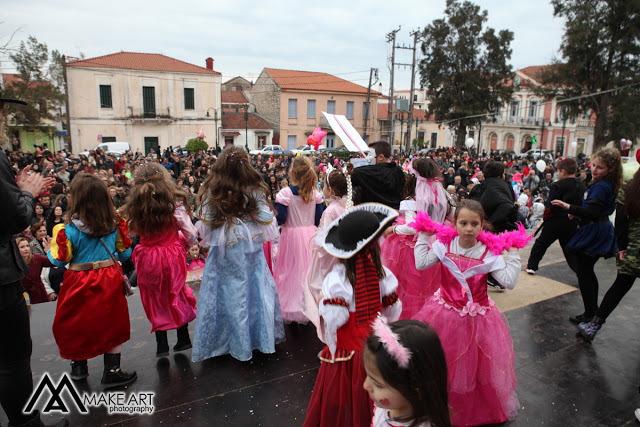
(530, 271)
(588, 330)
(495, 285)
(638, 414)
(580, 318)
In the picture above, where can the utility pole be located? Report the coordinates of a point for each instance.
(412, 65)
(66, 101)
(391, 38)
(368, 104)
(415, 35)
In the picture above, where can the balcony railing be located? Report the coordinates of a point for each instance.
(157, 115)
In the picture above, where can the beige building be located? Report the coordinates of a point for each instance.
(527, 117)
(150, 101)
(293, 101)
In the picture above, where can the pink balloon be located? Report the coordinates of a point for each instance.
(316, 137)
(201, 134)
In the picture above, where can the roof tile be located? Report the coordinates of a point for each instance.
(232, 120)
(233, 97)
(313, 81)
(141, 61)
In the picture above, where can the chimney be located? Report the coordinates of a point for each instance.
(209, 64)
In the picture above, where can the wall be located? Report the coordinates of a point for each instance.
(302, 126)
(265, 95)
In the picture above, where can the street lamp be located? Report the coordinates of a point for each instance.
(246, 123)
(215, 120)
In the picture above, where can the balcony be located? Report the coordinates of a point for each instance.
(515, 120)
(155, 116)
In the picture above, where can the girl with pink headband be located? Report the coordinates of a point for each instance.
(406, 375)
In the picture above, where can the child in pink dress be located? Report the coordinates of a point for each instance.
(159, 216)
(299, 209)
(335, 192)
(474, 334)
(424, 192)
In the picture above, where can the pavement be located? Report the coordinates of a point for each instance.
(563, 379)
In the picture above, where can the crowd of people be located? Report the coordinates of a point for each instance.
(390, 262)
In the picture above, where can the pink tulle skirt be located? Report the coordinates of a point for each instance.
(415, 287)
(480, 363)
(290, 271)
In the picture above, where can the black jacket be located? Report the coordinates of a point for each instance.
(570, 190)
(15, 216)
(498, 201)
(382, 183)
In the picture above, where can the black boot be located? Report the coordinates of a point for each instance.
(79, 370)
(37, 422)
(113, 376)
(162, 348)
(184, 342)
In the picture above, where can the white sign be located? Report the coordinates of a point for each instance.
(346, 132)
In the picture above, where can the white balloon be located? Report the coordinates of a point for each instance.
(469, 142)
(574, 144)
(541, 165)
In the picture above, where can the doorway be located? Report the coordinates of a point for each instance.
(151, 143)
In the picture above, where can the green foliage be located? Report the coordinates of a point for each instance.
(418, 142)
(194, 145)
(465, 67)
(600, 51)
(39, 85)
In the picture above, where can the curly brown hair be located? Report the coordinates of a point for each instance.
(90, 202)
(152, 201)
(229, 190)
(304, 175)
(611, 158)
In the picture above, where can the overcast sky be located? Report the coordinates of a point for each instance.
(344, 37)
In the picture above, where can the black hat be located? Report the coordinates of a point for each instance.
(354, 229)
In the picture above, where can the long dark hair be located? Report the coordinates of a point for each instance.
(424, 382)
(92, 204)
(632, 197)
(228, 191)
(350, 264)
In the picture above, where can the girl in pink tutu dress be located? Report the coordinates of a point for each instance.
(474, 334)
(336, 193)
(299, 209)
(157, 212)
(424, 192)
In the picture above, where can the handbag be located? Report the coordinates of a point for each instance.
(126, 286)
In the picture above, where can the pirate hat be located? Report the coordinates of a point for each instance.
(356, 228)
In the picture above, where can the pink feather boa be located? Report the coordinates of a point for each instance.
(497, 243)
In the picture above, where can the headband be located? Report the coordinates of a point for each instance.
(391, 342)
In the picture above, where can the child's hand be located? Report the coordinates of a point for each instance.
(46, 244)
(387, 231)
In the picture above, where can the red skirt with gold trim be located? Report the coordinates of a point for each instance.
(92, 315)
